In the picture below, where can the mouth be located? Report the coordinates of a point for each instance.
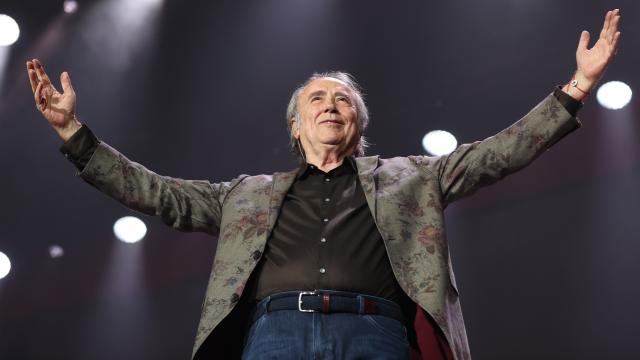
(332, 122)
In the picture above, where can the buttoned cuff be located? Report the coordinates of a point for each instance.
(80, 147)
(570, 104)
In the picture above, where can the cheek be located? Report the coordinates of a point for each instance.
(354, 124)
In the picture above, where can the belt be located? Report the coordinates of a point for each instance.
(327, 302)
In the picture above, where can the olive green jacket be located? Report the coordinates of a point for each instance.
(406, 195)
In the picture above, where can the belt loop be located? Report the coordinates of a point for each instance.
(361, 305)
(265, 303)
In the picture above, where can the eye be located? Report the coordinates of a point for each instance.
(316, 98)
(343, 99)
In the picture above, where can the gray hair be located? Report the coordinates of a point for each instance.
(361, 109)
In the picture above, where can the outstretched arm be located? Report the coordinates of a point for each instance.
(472, 166)
(592, 63)
(186, 205)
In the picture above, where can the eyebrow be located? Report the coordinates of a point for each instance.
(317, 93)
(323, 93)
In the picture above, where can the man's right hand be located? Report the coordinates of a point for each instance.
(59, 109)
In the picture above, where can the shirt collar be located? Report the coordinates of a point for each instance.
(348, 163)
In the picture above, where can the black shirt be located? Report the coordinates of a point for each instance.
(326, 238)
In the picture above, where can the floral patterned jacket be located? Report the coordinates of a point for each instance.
(406, 195)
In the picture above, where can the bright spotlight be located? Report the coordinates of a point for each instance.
(70, 6)
(9, 30)
(5, 265)
(56, 251)
(439, 142)
(614, 95)
(129, 229)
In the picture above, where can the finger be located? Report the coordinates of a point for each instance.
(613, 23)
(41, 101)
(584, 40)
(42, 76)
(66, 83)
(616, 39)
(33, 79)
(31, 72)
(613, 29)
(30, 65)
(605, 26)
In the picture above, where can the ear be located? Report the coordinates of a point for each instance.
(295, 130)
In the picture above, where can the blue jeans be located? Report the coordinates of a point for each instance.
(291, 334)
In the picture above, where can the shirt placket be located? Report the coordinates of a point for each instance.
(328, 182)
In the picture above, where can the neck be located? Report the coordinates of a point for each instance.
(324, 158)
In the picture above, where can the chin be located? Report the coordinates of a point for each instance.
(329, 138)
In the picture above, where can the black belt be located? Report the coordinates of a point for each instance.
(327, 302)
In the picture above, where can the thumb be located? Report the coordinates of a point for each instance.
(584, 40)
(66, 82)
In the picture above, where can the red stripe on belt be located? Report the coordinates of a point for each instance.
(369, 307)
(326, 303)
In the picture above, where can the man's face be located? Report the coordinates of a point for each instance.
(329, 116)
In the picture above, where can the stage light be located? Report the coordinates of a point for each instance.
(439, 142)
(70, 6)
(5, 265)
(9, 30)
(56, 251)
(120, 32)
(129, 229)
(614, 95)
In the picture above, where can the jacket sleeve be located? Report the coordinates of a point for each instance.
(472, 166)
(187, 205)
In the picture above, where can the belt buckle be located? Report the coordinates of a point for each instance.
(300, 300)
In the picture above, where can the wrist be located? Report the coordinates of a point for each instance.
(71, 128)
(585, 83)
(579, 87)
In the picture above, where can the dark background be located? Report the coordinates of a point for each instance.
(546, 260)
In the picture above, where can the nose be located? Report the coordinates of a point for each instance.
(330, 106)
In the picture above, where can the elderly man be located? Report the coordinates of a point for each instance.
(339, 257)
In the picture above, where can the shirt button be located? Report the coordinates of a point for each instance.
(324, 240)
(325, 220)
(322, 271)
(327, 179)
(327, 199)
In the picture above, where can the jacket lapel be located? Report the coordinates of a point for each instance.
(366, 167)
(281, 184)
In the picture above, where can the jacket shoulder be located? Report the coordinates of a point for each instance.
(422, 162)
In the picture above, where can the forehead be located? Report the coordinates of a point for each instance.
(326, 84)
